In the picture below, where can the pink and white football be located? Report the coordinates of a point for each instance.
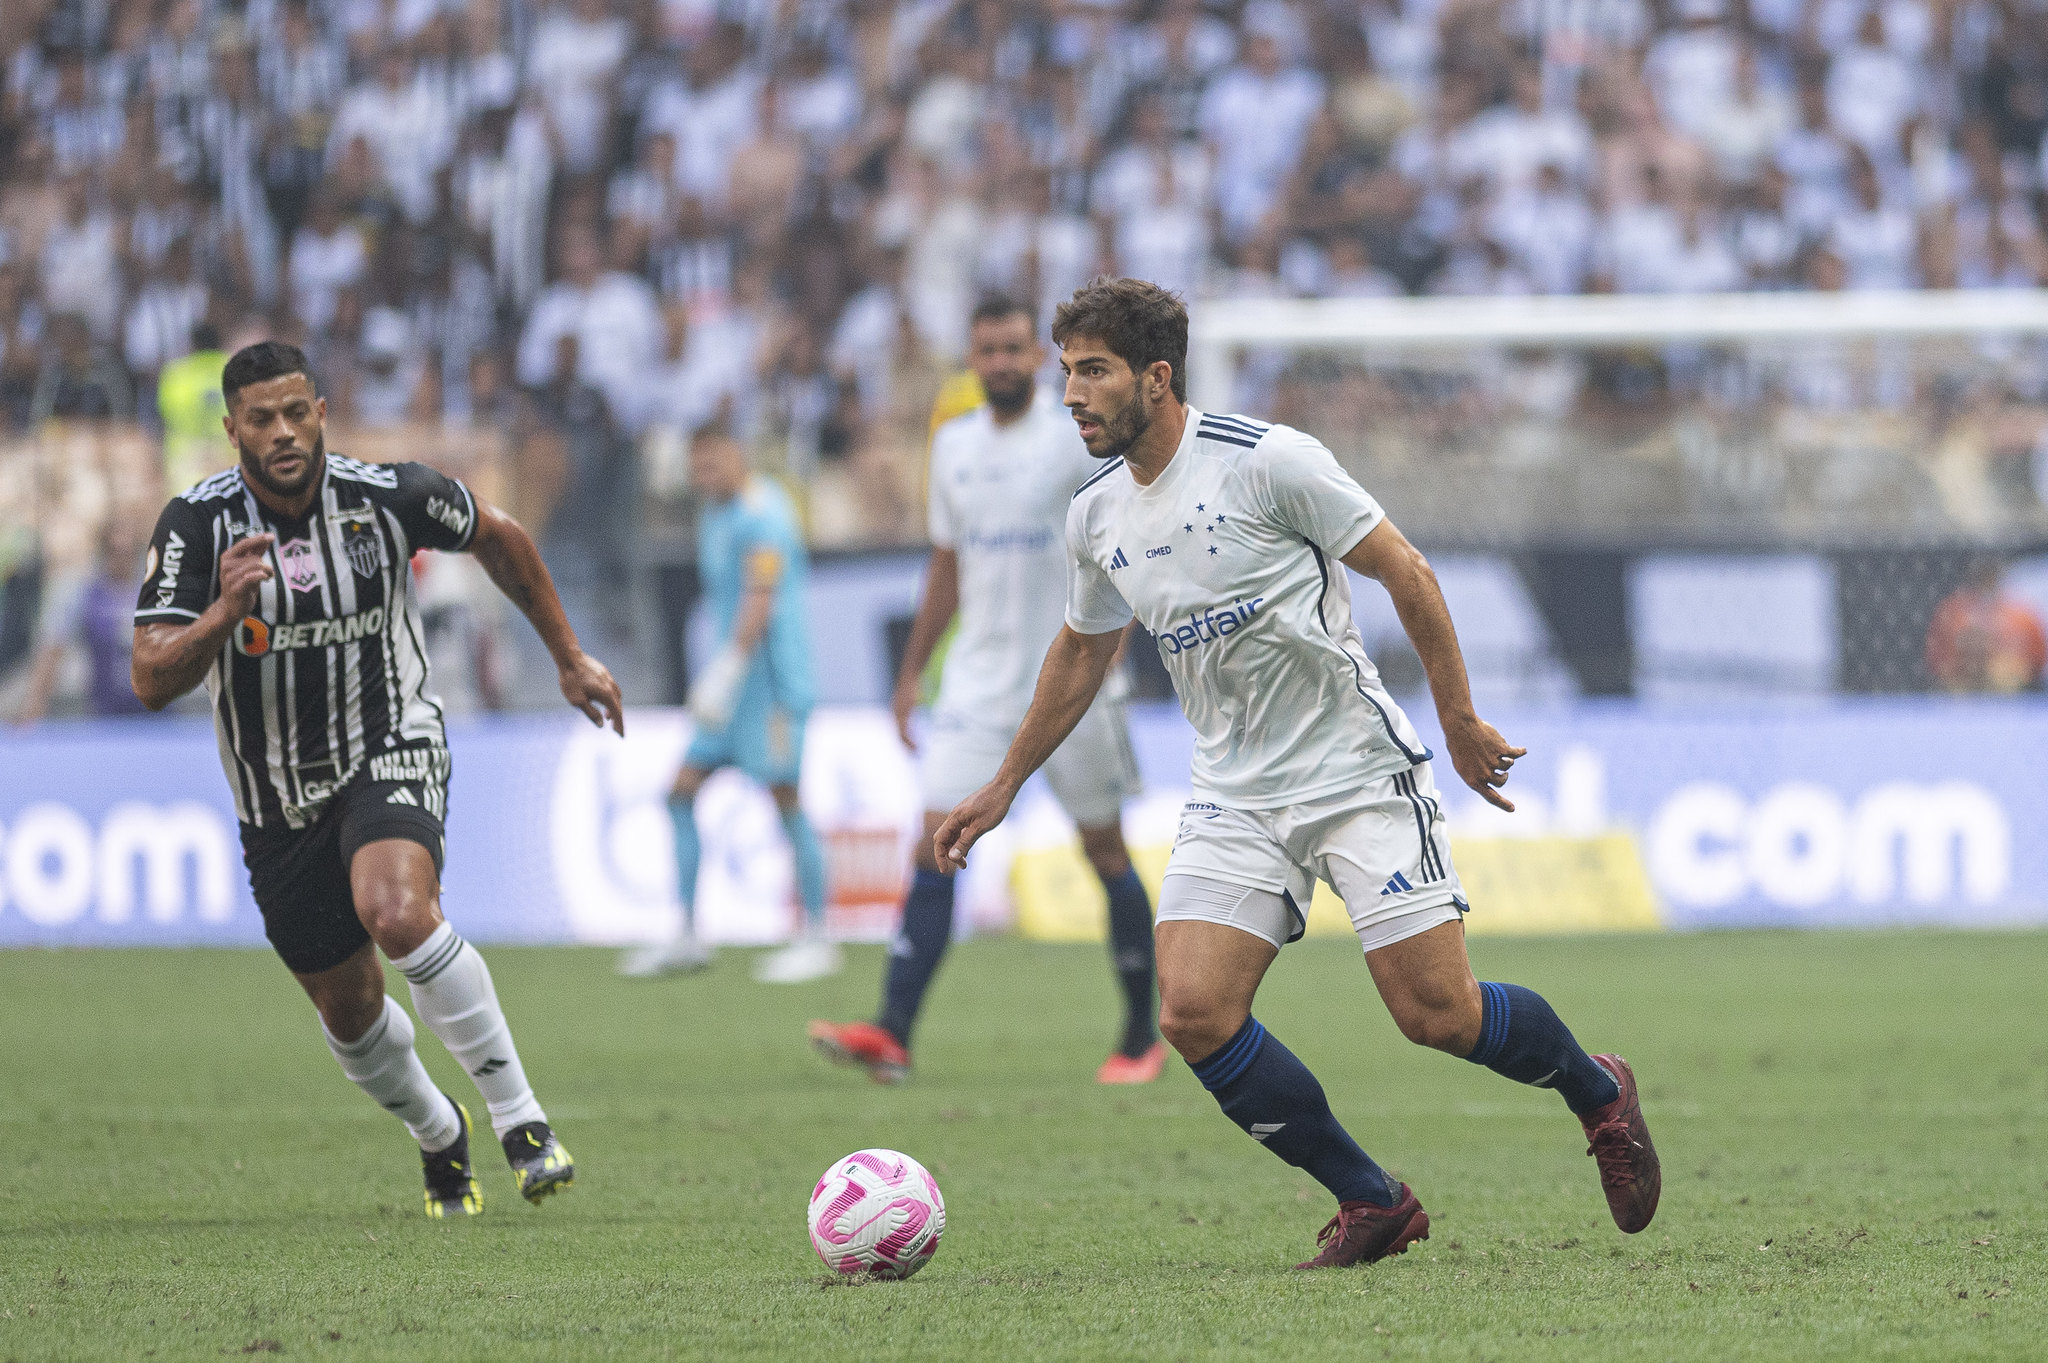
(877, 1212)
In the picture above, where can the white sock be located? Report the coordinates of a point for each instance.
(383, 1064)
(451, 989)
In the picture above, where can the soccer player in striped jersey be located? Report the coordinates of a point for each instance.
(1223, 537)
(284, 586)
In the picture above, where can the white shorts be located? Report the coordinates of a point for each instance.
(1091, 774)
(1382, 848)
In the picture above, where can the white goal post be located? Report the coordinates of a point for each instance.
(1221, 329)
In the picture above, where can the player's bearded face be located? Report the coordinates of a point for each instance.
(1117, 428)
(280, 435)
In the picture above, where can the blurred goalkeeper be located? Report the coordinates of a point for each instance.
(751, 701)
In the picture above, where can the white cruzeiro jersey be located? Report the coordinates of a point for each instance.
(999, 497)
(1230, 559)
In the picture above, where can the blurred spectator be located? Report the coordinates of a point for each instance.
(327, 256)
(80, 260)
(1257, 115)
(407, 123)
(21, 336)
(88, 616)
(189, 408)
(611, 315)
(576, 48)
(1983, 639)
(80, 379)
(160, 321)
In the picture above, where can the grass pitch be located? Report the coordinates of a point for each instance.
(1851, 1126)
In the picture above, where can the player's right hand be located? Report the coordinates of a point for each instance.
(244, 568)
(971, 818)
(901, 703)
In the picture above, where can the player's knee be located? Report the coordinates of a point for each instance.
(397, 916)
(688, 782)
(1196, 1028)
(1441, 1019)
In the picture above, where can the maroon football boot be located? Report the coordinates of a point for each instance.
(1365, 1232)
(1618, 1138)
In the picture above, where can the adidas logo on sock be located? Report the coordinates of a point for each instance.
(1397, 885)
(489, 1067)
(1261, 1130)
(401, 796)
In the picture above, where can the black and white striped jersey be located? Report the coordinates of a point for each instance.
(329, 674)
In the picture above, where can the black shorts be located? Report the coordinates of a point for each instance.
(300, 875)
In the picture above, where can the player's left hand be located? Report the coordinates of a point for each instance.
(971, 818)
(1482, 758)
(587, 684)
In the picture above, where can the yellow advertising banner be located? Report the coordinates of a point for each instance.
(1515, 886)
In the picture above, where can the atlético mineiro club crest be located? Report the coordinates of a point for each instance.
(301, 564)
(364, 549)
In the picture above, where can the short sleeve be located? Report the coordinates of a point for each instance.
(1094, 605)
(436, 511)
(1313, 496)
(179, 569)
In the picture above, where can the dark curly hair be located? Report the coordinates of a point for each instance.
(1140, 322)
(260, 362)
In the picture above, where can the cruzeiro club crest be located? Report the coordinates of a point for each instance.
(360, 541)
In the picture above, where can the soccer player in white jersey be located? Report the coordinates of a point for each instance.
(1002, 477)
(1223, 536)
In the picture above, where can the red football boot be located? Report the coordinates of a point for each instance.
(1365, 1232)
(1619, 1139)
(1133, 1069)
(863, 1044)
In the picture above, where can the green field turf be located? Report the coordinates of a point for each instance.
(1855, 1166)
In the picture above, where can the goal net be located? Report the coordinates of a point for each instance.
(1901, 438)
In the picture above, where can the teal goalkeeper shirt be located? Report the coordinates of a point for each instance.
(758, 529)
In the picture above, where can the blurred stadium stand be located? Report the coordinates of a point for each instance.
(539, 244)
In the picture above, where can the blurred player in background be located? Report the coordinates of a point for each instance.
(1002, 476)
(1222, 536)
(283, 584)
(751, 702)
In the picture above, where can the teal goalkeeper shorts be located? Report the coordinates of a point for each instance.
(763, 740)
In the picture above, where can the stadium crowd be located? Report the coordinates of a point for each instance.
(758, 207)
(584, 229)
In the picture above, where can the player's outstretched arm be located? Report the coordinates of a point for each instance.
(1074, 668)
(1478, 752)
(935, 610)
(509, 555)
(170, 660)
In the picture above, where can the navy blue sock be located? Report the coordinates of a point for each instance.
(1265, 1090)
(914, 955)
(1521, 1037)
(1130, 947)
